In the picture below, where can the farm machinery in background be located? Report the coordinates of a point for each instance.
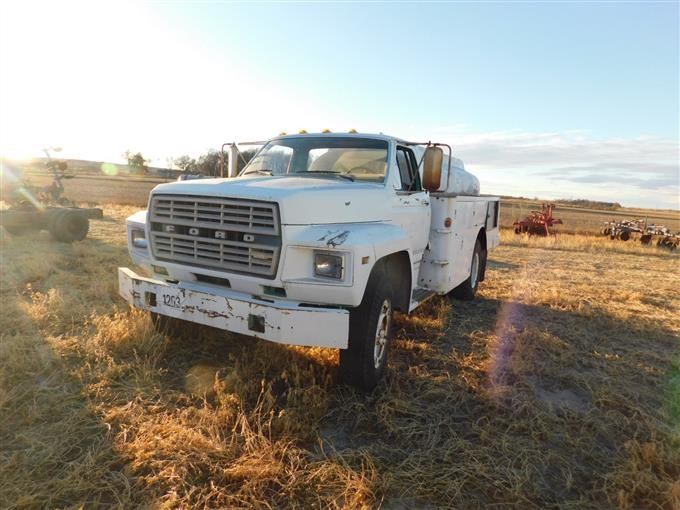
(628, 229)
(36, 208)
(539, 223)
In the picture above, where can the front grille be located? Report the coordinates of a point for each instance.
(231, 234)
(223, 213)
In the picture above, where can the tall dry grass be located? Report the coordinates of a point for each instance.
(558, 387)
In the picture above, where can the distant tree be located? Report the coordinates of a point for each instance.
(185, 164)
(590, 204)
(246, 156)
(136, 161)
(209, 163)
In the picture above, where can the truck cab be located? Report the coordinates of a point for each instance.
(316, 242)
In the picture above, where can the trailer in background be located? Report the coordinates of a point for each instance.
(65, 224)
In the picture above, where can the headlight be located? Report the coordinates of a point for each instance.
(138, 238)
(327, 265)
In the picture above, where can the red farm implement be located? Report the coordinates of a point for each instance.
(540, 223)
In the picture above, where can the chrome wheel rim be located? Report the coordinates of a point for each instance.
(474, 270)
(383, 327)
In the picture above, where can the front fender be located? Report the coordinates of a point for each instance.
(140, 256)
(362, 245)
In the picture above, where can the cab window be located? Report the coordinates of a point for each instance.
(408, 169)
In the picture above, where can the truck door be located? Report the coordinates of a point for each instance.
(411, 205)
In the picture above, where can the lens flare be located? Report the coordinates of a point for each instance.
(511, 322)
(12, 189)
(29, 196)
(501, 351)
(109, 169)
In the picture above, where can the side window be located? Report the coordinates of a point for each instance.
(408, 170)
(275, 160)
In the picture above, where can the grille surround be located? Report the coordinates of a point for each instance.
(249, 230)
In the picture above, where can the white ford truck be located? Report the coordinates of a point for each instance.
(316, 242)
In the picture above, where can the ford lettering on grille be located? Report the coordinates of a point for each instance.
(238, 235)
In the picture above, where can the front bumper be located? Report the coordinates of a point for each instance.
(279, 321)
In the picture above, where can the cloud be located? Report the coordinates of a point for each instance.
(644, 175)
(551, 150)
(636, 171)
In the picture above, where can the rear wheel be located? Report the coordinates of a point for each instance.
(364, 361)
(466, 291)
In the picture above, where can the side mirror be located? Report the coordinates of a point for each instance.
(432, 168)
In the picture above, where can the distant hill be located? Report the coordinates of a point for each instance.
(85, 167)
(566, 202)
(589, 204)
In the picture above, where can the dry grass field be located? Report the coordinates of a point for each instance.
(103, 189)
(559, 387)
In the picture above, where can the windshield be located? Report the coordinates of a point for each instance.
(349, 158)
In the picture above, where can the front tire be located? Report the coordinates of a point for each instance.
(364, 362)
(466, 291)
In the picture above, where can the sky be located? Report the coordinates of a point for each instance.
(548, 100)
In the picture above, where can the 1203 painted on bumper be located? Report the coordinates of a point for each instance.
(278, 321)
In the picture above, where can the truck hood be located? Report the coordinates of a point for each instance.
(302, 200)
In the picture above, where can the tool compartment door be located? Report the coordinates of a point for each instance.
(493, 210)
(439, 271)
(446, 263)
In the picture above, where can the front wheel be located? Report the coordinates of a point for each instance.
(466, 291)
(364, 361)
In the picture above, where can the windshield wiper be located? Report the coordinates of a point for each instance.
(260, 171)
(328, 172)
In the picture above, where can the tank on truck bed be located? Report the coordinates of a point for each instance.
(317, 242)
